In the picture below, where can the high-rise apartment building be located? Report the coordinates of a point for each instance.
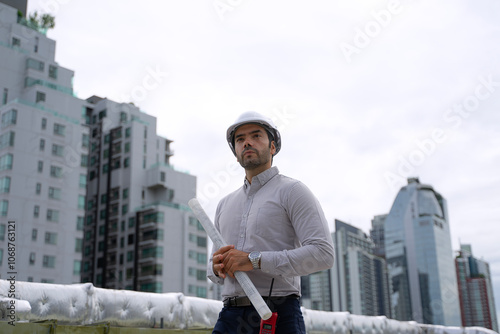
(43, 147)
(420, 258)
(359, 277)
(139, 232)
(477, 304)
(317, 291)
(378, 236)
(87, 178)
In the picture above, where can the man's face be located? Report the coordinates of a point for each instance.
(252, 147)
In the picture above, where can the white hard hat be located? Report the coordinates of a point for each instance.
(255, 118)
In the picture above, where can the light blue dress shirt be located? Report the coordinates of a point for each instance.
(281, 218)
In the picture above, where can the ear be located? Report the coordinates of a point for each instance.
(273, 148)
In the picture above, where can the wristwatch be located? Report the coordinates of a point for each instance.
(255, 257)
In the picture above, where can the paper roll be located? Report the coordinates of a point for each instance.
(242, 278)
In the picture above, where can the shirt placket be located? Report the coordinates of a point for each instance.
(246, 214)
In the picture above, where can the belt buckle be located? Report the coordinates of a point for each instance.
(232, 301)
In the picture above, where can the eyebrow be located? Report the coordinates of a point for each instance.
(252, 132)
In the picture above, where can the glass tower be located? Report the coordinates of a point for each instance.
(419, 257)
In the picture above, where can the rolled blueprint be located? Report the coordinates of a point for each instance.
(242, 278)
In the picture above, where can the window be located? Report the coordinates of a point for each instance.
(156, 252)
(35, 64)
(44, 123)
(7, 139)
(36, 211)
(32, 258)
(52, 215)
(77, 264)
(49, 261)
(126, 162)
(38, 188)
(4, 208)
(81, 202)
(127, 147)
(123, 117)
(40, 166)
(9, 118)
(16, 41)
(105, 168)
(34, 234)
(78, 245)
(6, 161)
(84, 162)
(102, 114)
(85, 140)
(57, 150)
(42, 144)
(5, 184)
(116, 163)
(127, 132)
(130, 239)
(130, 256)
(55, 171)
(116, 133)
(5, 96)
(125, 193)
(40, 97)
(79, 223)
(52, 72)
(2, 232)
(83, 181)
(124, 209)
(162, 176)
(59, 129)
(51, 238)
(54, 193)
(117, 148)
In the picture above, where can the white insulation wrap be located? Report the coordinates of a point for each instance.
(242, 278)
(84, 304)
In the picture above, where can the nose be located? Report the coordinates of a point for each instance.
(247, 143)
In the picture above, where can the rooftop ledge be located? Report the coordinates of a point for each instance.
(28, 307)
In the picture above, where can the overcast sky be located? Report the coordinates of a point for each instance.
(365, 93)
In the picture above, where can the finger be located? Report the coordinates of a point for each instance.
(224, 249)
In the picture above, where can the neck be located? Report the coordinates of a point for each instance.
(250, 173)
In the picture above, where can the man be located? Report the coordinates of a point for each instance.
(276, 228)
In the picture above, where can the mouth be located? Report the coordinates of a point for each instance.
(249, 151)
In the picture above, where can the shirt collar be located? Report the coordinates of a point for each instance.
(262, 178)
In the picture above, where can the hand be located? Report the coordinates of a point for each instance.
(227, 260)
(218, 258)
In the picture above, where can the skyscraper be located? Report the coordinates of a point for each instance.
(359, 277)
(43, 146)
(87, 178)
(419, 257)
(477, 303)
(139, 232)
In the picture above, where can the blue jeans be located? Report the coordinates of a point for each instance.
(246, 320)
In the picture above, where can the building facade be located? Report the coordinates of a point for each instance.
(139, 232)
(43, 146)
(420, 258)
(359, 277)
(477, 304)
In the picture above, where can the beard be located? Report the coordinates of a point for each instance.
(255, 161)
